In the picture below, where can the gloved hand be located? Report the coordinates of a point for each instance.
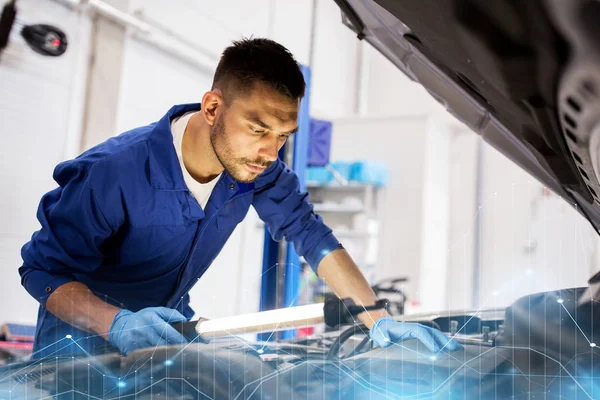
(386, 331)
(148, 327)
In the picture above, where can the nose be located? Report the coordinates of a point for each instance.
(269, 149)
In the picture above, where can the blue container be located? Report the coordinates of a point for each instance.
(318, 175)
(369, 172)
(319, 142)
(344, 168)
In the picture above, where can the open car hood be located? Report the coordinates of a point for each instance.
(525, 75)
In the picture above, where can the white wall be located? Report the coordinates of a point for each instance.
(104, 79)
(390, 92)
(433, 269)
(334, 65)
(531, 240)
(41, 116)
(153, 82)
(461, 234)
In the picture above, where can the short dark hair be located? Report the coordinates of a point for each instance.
(249, 61)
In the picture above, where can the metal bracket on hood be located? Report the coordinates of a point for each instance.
(353, 17)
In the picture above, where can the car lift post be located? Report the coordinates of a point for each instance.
(281, 264)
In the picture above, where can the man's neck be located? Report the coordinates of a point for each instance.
(198, 154)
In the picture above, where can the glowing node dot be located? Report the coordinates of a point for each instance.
(68, 336)
(260, 351)
(168, 362)
(432, 358)
(592, 344)
(560, 301)
(529, 271)
(495, 293)
(122, 384)
(387, 339)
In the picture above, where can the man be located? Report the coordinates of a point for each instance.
(138, 219)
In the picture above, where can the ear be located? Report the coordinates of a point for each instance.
(212, 104)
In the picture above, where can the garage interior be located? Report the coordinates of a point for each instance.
(438, 213)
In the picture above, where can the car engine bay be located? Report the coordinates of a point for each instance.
(542, 344)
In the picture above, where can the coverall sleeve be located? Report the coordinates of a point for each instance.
(73, 230)
(285, 210)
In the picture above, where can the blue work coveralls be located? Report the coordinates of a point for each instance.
(123, 222)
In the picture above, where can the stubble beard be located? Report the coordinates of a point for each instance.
(236, 168)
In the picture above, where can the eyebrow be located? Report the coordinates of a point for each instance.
(284, 116)
(257, 121)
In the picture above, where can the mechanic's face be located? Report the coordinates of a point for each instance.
(248, 134)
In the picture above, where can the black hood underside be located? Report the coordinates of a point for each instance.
(522, 74)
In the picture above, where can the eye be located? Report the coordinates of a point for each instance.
(283, 136)
(257, 131)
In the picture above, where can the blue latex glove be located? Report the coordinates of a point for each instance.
(148, 327)
(386, 331)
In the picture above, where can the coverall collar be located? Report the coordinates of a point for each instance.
(165, 170)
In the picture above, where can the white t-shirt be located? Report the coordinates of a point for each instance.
(200, 191)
